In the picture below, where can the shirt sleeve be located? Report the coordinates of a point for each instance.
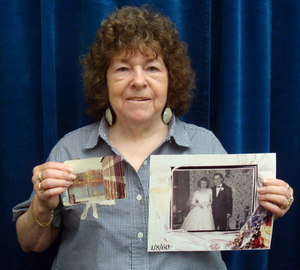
(21, 208)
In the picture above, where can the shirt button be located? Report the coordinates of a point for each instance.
(140, 235)
(139, 197)
(145, 163)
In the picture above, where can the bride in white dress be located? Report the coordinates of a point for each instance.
(200, 218)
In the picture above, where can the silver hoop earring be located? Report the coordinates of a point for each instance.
(108, 116)
(167, 115)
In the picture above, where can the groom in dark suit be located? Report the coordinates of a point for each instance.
(222, 202)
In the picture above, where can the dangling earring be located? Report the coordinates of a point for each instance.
(167, 115)
(108, 116)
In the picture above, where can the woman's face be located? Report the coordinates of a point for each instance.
(137, 87)
(203, 184)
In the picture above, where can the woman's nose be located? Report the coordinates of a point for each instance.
(139, 79)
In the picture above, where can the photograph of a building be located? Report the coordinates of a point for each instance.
(97, 179)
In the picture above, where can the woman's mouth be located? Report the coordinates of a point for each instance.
(138, 99)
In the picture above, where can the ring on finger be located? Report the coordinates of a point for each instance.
(40, 177)
(40, 188)
(290, 199)
(285, 206)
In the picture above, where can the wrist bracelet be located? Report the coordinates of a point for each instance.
(43, 225)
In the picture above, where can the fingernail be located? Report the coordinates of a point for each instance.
(258, 189)
(266, 181)
(71, 176)
(70, 169)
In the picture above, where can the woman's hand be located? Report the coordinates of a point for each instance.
(276, 196)
(49, 180)
(33, 227)
(204, 204)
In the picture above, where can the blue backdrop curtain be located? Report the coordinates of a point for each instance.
(245, 53)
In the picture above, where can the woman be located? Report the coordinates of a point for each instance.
(138, 80)
(200, 218)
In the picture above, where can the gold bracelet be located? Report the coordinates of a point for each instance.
(35, 217)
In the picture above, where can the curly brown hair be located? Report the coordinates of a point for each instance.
(138, 29)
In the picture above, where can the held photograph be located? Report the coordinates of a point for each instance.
(212, 198)
(97, 180)
(209, 202)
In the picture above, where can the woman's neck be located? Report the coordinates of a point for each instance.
(138, 131)
(137, 142)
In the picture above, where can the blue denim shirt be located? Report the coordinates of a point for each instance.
(117, 239)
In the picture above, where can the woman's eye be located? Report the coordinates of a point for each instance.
(122, 69)
(152, 68)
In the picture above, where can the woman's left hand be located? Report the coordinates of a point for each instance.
(276, 196)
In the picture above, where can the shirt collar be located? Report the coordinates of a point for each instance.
(100, 131)
(176, 131)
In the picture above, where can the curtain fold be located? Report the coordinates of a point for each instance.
(242, 72)
(198, 37)
(285, 124)
(48, 69)
(246, 56)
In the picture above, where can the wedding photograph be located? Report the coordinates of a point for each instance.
(209, 199)
(209, 202)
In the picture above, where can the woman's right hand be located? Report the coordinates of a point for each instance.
(50, 180)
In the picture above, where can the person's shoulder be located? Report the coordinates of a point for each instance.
(209, 191)
(226, 186)
(196, 193)
(199, 135)
(74, 141)
(194, 129)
